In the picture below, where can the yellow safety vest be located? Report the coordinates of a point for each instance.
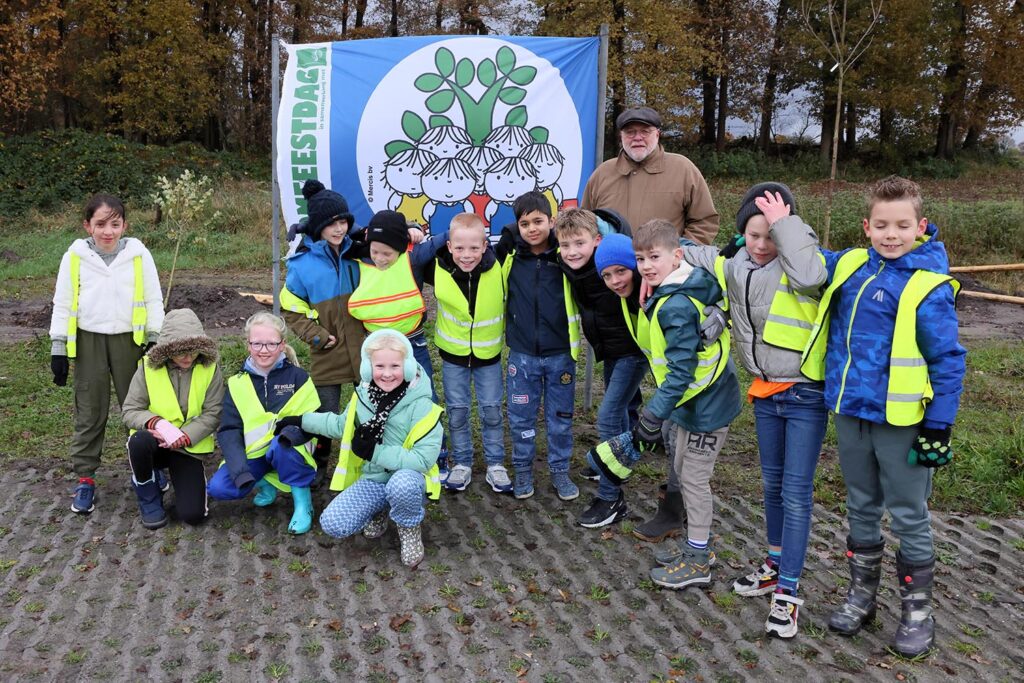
(711, 361)
(164, 402)
(290, 302)
(462, 334)
(909, 389)
(258, 423)
(388, 299)
(720, 276)
(138, 305)
(790, 317)
(572, 313)
(350, 465)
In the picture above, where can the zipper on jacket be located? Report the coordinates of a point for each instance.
(472, 316)
(750, 319)
(536, 308)
(849, 333)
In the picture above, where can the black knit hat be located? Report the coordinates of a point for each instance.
(323, 207)
(748, 209)
(390, 228)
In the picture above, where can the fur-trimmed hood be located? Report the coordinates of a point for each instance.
(182, 333)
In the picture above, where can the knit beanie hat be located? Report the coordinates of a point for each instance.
(323, 207)
(390, 228)
(748, 209)
(614, 250)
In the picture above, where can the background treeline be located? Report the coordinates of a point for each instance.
(940, 76)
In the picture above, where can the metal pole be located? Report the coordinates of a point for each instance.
(275, 194)
(602, 87)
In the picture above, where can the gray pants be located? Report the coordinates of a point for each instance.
(694, 464)
(873, 458)
(100, 357)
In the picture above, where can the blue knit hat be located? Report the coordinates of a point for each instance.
(614, 250)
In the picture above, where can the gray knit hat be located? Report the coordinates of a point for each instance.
(748, 209)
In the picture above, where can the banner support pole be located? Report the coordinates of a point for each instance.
(602, 87)
(275, 190)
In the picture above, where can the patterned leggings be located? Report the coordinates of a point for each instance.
(351, 509)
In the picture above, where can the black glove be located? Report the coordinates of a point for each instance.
(714, 324)
(932, 448)
(730, 249)
(647, 433)
(59, 367)
(290, 421)
(363, 443)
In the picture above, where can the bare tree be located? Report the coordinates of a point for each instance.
(844, 50)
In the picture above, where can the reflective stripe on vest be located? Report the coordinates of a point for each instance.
(791, 317)
(572, 313)
(138, 304)
(720, 276)
(462, 334)
(388, 298)
(350, 465)
(258, 423)
(711, 361)
(164, 402)
(290, 302)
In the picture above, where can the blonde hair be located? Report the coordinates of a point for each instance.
(574, 221)
(655, 233)
(896, 189)
(391, 342)
(267, 319)
(468, 221)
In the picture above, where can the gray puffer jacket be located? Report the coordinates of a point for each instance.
(752, 287)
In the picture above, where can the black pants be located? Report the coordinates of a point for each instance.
(188, 477)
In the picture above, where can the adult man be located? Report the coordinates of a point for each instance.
(645, 182)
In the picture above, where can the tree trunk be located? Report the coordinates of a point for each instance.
(360, 12)
(828, 114)
(709, 89)
(981, 105)
(886, 133)
(723, 111)
(438, 15)
(764, 135)
(297, 21)
(344, 18)
(617, 46)
(955, 89)
(393, 26)
(850, 141)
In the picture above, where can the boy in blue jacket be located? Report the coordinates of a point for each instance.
(885, 343)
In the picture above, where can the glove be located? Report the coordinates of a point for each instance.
(290, 421)
(59, 367)
(647, 433)
(932, 448)
(714, 324)
(730, 249)
(363, 443)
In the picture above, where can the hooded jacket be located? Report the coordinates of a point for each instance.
(719, 404)
(862, 328)
(390, 455)
(182, 333)
(600, 313)
(751, 288)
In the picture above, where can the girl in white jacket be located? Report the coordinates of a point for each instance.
(107, 308)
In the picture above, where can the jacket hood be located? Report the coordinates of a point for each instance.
(689, 281)
(132, 248)
(928, 254)
(410, 368)
(180, 334)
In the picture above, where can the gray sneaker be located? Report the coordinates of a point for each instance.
(564, 486)
(694, 567)
(458, 478)
(497, 477)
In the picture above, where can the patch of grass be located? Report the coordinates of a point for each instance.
(599, 593)
(972, 631)
(599, 634)
(449, 590)
(375, 645)
(360, 587)
(966, 649)
(277, 670)
(75, 657)
(311, 647)
(209, 677)
(35, 607)
(439, 568)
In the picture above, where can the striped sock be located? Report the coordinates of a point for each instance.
(787, 585)
(774, 557)
(699, 545)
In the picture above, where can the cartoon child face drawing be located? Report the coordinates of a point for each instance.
(509, 140)
(402, 171)
(508, 178)
(480, 158)
(445, 141)
(548, 162)
(448, 181)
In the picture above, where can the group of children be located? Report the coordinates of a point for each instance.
(862, 333)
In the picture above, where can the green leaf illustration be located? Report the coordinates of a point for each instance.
(413, 126)
(445, 62)
(396, 146)
(487, 73)
(506, 59)
(539, 134)
(438, 121)
(429, 82)
(516, 116)
(441, 101)
(464, 72)
(523, 75)
(508, 95)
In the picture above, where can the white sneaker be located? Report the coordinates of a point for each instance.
(783, 615)
(759, 582)
(497, 477)
(458, 478)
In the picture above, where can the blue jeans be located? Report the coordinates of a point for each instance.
(531, 379)
(458, 399)
(790, 428)
(618, 411)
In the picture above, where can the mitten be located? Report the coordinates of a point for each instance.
(714, 324)
(730, 249)
(931, 449)
(363, 443)
(647, 433)
(289, 421)
(59, 366)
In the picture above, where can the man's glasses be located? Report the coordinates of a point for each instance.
(264, 346)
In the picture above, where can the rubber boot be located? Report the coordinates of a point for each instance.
(151, 503)
(412, 545)
(302, 517)
(916, 632)
(321, 456)
(865, 573)
(667, 522)
(266, 494)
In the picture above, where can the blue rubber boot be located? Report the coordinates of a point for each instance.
(266, 494)
(302, 517)
(151, 503)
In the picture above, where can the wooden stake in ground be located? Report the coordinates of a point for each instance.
(1003, 298)
(998, 268)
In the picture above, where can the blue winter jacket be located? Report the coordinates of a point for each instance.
(862, 328)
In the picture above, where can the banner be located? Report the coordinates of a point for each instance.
(433, 126)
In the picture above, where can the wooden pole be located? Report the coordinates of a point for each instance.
(1004, 298)
(987, 269)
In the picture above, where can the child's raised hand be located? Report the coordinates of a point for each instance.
(772, 206)
(416, 235)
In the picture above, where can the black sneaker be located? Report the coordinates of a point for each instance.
(604, 512)
(590, 474)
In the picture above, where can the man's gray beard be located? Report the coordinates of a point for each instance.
(629, 153)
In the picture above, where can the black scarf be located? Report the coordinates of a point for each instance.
(385, 402)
